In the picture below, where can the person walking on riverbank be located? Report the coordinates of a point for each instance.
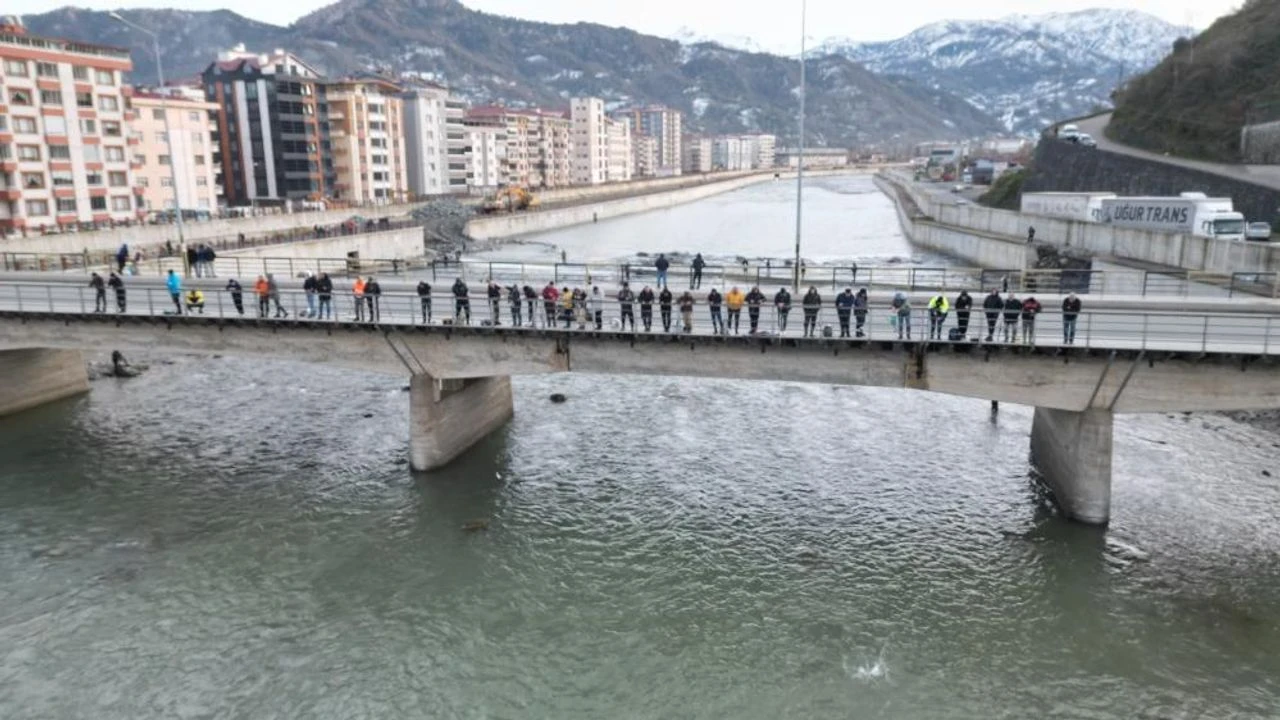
(812, 304)
(625, 298)
(733, 302)
(99, 293)
(1030, 309)
(661, 265)
(938, 309)
(755, 300)
(461, 301)
(844, 309)
(1012, 310)
(424, 300)
(324, 291)
(550, 298)
(714, 301)
(861, 302)
(115, 282)
(698, 264)
(174, 284)
(686, 311)
(237, 295)
(274, 291)
(782, 304)
(1070, 314)
(991, 307)
(664, 308)
(646, 308)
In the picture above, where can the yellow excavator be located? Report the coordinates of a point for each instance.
(509, 199)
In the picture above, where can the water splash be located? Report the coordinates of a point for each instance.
(868, 669)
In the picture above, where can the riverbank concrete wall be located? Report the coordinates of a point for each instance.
(1072, 451)
(980, 250)
(447, 417)
(35, 376)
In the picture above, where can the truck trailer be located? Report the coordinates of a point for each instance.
(1082, 206)
(1189, 214)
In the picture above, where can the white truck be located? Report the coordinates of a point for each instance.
(1189, 213)
(1082, 206)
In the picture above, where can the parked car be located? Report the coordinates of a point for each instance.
(1068, 132)
(1258, 232)
(1086, 140)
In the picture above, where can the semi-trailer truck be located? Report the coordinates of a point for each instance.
(1190, 213)
(1082, 206)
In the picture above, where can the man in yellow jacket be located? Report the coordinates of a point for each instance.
(733, 301)
(938, 309)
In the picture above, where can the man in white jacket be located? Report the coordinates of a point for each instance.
(595, 306)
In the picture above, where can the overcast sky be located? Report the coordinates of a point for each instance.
(773, 25)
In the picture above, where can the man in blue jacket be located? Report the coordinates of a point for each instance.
(174, 285)
(844, 309)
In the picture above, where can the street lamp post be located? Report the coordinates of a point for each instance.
(795, 269)
(168, 134)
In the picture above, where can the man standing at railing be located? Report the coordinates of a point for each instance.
(174, 285)
(273, 291)
(513, 297)
(424, 299)
(782, 302)
(733, 302)
(264, 296)
(461, 301)
(373, 295)
(237, 295)
(844, 308)
(310, 286)
(812, 304)
(495, 302)
(324, 289)
(122, 257)
(193, 261)
(1070, 313)
(992, 306)
(698, 265)
(664, 308)
(661, 265)
(1012, 310)
(550, 298)
(625, 298)
(530, 296)
(117, 284)
(860, 303)
(99, 293)
(714, 301)
(938, 309)
(646, 308)
(595, 307)
(1030, 309)
(357, 294)
(755, 299)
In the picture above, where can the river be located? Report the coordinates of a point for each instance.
(227, 538)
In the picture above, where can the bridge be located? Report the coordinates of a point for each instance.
(1136, 355)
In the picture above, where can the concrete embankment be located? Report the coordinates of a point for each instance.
(960, 222)
(980, 249)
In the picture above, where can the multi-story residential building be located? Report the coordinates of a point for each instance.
(619, 167)
(731, 152)
(182, 148)
(425, 139)
(764, 148)
(456, 144)
(64, 149)
(552, 151)
(273, 134)
(366, 137)
(590, 141)
(538, 145)
(664, 125)
(486, 155)
(697, 154)
(644, 148)
(519, 126)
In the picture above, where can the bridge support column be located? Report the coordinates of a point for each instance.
(1072, 450)
(36, 376)
(446, 417)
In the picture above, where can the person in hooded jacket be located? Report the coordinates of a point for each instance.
(963, 305)
(1030, 309)
(714, 301)
(530, 297)
(309, 286)
(461, 301)
(755, 299)
(646, 308)
(1070, 315)
(686, 311)
(664, 308)
(625, 298)
(733, 302)
(513, 299)
(566, 306)
(115, 282)
(373, 295)
(844, 309)
(174, 285)
(550, 298)
(273, 291)
(812, 304)
(495, 302)
(424, 299)
(661, 265)
(902, 314)
(99, 293)
(1012, 310)
(861, 303)
(324, 291)
(938, 309)
(991, 307)
(782, 303)
(237, 295)
(357, 295)
(698, 265)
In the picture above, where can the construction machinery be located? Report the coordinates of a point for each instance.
(509, 199)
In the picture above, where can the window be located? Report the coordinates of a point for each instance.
(199, 159)
(121, 203)
(5, 153)
(114, 154)
(117, 178)
(25, 125)
(109, 103)
(15, 68)
(37, 208)
(88, 126)
(197, 137)
(111, 128)
(50, 97)
(166, 181)
(59, 152)
(98, 203)
(202, 181)
(142, 182)
(20, 97)
(47, 69)
(163, 159)
(157, 113)
(93, 177)
(66, 205)
(162, 136)
(193, 116)
(105, 77)
(28, 152)
(84, 99)
(32, 180)
(4, 123)
(63, 178)
(139, 159)
(80, 72)
(55, 125)
(92, 153)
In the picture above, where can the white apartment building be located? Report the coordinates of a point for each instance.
(644, 148)
(551, 153)
(764, 149)
(456, 144)
(696, 153)
(666, 127)
(620, 165)
(425, 133)
(64, 149)
(590, 141)
(486, 156)
(367, 140)
(731, 152)
(184, 149)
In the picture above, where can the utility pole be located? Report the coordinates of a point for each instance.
(795, 269)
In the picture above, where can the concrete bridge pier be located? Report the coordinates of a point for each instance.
(446, 417)
(36, 376)
(1072, 450)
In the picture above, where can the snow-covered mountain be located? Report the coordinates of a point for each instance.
(1027, 71)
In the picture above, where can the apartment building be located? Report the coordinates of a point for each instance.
(644, 150)
(273, 134)
(181, 148)
(590, 141)
(518, 128)
(551, 150)
(64, 149)
(486, 160)
(764, 150)
(366, 138)
(620, 165)
(425, 141)
(457, 142)
(665, 126)
(696, 152)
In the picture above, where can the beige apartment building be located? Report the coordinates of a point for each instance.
(366, 131)
(620, 164)
(644, 148)
(538, 145)
(185, 150)
(551, 151)
(590, 141)
(64, 151)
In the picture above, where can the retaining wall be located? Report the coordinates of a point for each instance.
(977, 250)
(404, 243)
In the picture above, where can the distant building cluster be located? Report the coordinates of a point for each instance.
(78, 147)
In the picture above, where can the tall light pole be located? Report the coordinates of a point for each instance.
(168, 133)
(795, 269)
